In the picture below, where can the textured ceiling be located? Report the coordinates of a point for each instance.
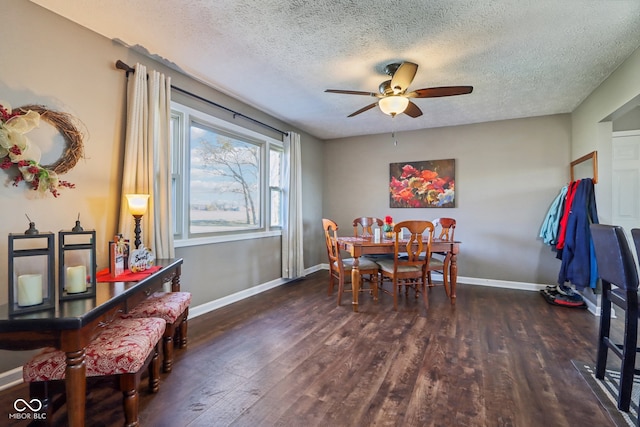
(523, 58)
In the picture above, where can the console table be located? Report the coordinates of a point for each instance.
(71, 325)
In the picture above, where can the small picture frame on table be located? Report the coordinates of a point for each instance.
(118, 255)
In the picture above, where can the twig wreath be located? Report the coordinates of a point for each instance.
(16, 149)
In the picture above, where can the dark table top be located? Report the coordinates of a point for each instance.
(74, 314)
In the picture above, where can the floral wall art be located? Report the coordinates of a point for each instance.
(423, 184)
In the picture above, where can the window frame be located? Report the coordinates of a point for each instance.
(182, 116)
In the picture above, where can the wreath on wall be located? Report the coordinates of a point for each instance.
(16, 149)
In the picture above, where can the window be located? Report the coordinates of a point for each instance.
(227, 180)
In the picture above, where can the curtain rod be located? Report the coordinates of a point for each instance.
(122, 66)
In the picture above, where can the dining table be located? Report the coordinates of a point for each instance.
(360, 246)
(72, 324)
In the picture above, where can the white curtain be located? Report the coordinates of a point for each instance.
(147, 159)
(292, 233)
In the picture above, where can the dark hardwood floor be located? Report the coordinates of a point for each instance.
(291, 357)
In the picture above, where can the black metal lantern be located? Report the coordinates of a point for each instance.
(76, 263)
(31, 271)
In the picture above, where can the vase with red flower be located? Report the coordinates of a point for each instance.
(387, 228)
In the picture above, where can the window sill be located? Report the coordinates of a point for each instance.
(197, 241)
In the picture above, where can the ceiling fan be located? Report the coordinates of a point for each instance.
(394, 98)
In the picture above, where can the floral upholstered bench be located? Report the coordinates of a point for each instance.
(121, 350)
(173, 307)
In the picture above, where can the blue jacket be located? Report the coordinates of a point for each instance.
(578, 257)
(551, 223)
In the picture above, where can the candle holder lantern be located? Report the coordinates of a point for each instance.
(31, 271)
(76, 263)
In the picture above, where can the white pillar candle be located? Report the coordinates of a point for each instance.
(29, 289)
(376, 235)
(76, 279)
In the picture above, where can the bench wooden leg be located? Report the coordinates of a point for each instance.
(154, 371)
(167, 348)
(182, 330)
(129, 386)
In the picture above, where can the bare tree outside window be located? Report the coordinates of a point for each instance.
(224, 185)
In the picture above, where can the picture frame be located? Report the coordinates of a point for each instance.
(585, 167)
(422, 184)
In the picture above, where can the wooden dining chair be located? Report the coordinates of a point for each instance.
(411, 257)
(619, 276)
(363, 226)
(340, 268)
(444, 229)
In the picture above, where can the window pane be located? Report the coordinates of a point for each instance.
(275, 168)
(224, 182)
(275, 185)
(276, 207)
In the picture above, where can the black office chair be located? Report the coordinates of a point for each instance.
(619, 276)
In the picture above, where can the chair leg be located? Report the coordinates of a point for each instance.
(395, 294)
(603, 339)
(40, 390)
(445, 276)
(425, 297)
(331, 283)
(374, 284)
(628, 362)
(340, 290)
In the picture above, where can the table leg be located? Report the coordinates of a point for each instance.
(175, 280)
(453, 275)
(355, 282)
(76, 387)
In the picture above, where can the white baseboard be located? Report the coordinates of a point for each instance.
(10, 378)
(238, 296)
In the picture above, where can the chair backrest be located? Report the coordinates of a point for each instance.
(446, 227)
(336, 266)
(363, 226)
(635, 233)
(616, 264)
(410, 247)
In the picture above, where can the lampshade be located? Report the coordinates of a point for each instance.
(393, 105)
(137, 203)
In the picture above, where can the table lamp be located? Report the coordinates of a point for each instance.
(137, 207)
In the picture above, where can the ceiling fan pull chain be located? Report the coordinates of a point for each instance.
(393, 131)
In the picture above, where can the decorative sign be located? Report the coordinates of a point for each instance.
(141, 259)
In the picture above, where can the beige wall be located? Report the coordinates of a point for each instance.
(51, 61)
(592, 124)
(507, 174)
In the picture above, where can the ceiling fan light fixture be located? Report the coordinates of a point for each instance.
(393, 105)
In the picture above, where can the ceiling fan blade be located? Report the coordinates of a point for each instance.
(351, 92)
(363, 109)
(435, 92)
(412, 110)
(403, 77)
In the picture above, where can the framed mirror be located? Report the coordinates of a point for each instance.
(585, 167)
